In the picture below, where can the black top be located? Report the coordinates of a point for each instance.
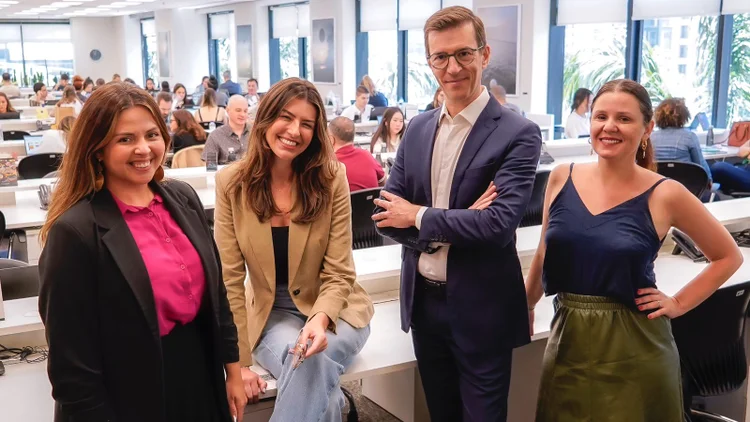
(184, 140)
(281, 255)
(610, 254)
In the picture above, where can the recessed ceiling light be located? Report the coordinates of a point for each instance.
(105, 6)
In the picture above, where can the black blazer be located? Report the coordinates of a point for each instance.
(97, 305)
(184, 140)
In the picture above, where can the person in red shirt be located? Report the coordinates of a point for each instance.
(362, 170)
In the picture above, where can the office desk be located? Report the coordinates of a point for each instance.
(13, 148)
(22, 124)
(723, 153)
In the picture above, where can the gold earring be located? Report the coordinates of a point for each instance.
(99, 178)
(644, 145)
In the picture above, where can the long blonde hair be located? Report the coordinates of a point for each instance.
(369, 84)
(315, 168)
(81, 172)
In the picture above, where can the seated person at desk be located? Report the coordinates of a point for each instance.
(129, 264)
(209, 111)
(186, 132)
(222, 98)
(7, 107)
(9, 88)
(377, 99)
(69, 99)
(362, 171)
(164, 100)
(56, 141)
(388, 134)
(116, 78)
(233, 135)
(360, 110)
(252, 96)
(579, 123)
(88, 89)
(673, 141)
(500, 94)
(165, 86)
(150, 87)
(284, 214)
(181, 99)
(437, 101)
(200, 89)
(40, 95)
(232, 88)
(100, 83)
(733, 178)
(64, 79)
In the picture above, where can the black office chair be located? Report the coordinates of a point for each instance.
(364, 234)
(13, 246)
(14, 135)
(691, 175)
(39, 165)
(19, 282)
(535, 209)
(711, 342)
(206, 125)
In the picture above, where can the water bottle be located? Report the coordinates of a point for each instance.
(710, 136)
(212, 126)
(232, 155)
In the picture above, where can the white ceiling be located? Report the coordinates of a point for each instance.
(65, 9)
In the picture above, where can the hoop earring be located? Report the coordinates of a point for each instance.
(99, 178)
(159, 175)
(644, 145)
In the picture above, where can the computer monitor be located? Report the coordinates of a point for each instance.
(32, 143)
(10, 115)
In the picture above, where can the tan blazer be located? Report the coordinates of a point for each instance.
(321, 266)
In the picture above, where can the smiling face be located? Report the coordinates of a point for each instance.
(617, 126)
(291, 133)
(135, 152)
(149, 85)
(42, 94)
(237, 111)
(461, 83)
(252, 88)
(180, 93)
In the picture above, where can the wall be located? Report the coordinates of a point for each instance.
(103, 34)
(344, 14)
(189, 45)
(130, 28)
(256, 14)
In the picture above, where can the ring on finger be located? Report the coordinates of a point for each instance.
(659, 303)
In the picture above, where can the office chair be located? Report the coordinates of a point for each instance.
(711, 342)
(535, 209)
(19, 282)
(364, 234)
(14, 135)
(691, 175)
(39, 165)
(188, 157)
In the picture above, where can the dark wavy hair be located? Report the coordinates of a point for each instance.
(186, 124)
(383, 132)
(671, 112)
(314, 168)
(579, 97)
(644, 103)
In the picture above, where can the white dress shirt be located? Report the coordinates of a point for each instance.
(577, 125)
(449, 143)
(352, 111)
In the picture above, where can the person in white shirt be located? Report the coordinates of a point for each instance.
(11, 90)
(253, 98)
(578, 122)
(69, 99)
(56, 141)
(360, 110)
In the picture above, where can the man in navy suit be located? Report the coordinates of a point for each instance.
(462, 291)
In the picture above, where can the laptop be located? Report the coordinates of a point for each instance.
(32, 142)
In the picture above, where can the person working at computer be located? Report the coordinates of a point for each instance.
(461, 182)
(611, 355)
(231, 87)
(164, 100)
(69, 100)
(389, 132)
(151, 87)
(578, 122)
(362, 171)
(229, 142)
(377, 98)
(360, 110)
(64, 79)
(135, 311)
(501, 95)
(7, 107)
(283, 213)
(9, 88)
(56, 141)
(180, 97)
(88, 89)
(40, 95)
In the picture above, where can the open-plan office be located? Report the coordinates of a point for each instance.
(544, 52)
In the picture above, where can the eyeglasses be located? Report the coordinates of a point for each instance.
(464, 57)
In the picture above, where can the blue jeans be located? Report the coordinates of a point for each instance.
(731, 178)
(310, 393)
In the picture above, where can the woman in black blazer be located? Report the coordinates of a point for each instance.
(137, 319)
(186, 132)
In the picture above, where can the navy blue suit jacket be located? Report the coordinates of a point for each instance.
(485, 285)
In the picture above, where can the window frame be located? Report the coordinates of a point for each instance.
(25, 74)
(214, 67)
(274, 48)
(145, 62)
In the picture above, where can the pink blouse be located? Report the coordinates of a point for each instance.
(173, 264)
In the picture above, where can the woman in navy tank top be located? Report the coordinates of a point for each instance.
(611, 355)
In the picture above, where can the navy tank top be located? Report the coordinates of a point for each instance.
(609, 254)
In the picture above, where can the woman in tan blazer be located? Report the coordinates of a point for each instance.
(284, 213)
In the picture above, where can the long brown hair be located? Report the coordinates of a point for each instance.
(10, 108)
(383, 132)
(209, 98)
(435, 103)
(65, 126)
(645, 158)
(314, 168)
(186, 124)
(81, 172)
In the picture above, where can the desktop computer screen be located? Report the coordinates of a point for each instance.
(32, 142)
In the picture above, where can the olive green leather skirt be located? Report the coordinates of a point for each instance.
(605, 362)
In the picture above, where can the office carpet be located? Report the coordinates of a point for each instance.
(368, 411)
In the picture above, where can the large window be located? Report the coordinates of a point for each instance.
(148, 50)
(594, 54)
(222, 44)
(382, 62)
(35, 52)
(684, 68)
(738, 107)
(290, 32)
(421, 83)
